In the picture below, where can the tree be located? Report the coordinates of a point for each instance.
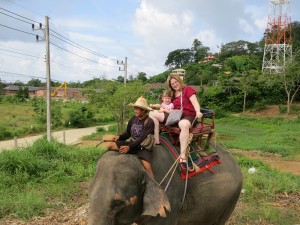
(242, 63)
(35, 83)
(115, 97)
(22, 94)
(290, 78)
(296, 35)
(239, 48)
(248, 84)
(179, 57)
(120, 79)
(142, 76)
(199, 50)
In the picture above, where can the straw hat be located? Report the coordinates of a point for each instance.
(142, 103)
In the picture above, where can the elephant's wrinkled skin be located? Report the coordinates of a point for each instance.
(122, 192)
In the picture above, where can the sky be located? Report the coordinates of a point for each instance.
(90, 38)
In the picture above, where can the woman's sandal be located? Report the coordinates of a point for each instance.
(183, 162)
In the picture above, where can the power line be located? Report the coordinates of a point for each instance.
(72, 69)
(17, 30)
(15, 18)
(79, 46)
(20, 53)
(27, 52)
(26, 9)
(19, 15)
(80, 55)
(6, 73)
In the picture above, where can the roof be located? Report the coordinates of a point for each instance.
(16, 88)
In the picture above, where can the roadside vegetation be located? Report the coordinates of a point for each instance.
(44, 176)
(28, 118)
(280, 135)
(50, 176)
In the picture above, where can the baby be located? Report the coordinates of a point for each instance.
(166, 104)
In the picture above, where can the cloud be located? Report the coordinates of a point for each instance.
(209, 38)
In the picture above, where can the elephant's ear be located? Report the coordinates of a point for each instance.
(155, 200)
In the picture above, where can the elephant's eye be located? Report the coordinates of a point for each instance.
(117, 204)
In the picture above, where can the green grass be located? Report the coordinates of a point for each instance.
(275, 135)
(262, 192)
(43, 176)
(19, 119)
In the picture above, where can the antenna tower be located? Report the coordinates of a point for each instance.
(278, 37)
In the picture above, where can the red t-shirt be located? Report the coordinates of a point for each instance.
(188, 108)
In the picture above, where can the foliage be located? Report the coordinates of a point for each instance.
(240, 47)
(260, 191)
(242, 63)
(179, 57)
(22, 94)
(160, 78)
(199, 50)
(115, 97)
(296, 36)
(142, 76)
(291, 79)
(81, 116)
(39, 176)
(275, 135)
(39, 108)
(36, 83)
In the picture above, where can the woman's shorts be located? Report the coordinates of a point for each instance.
(186, 117)
(141, 152)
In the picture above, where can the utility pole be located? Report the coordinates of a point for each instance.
(124, 69)
(48, 79)
(125, 80)
(48, 94)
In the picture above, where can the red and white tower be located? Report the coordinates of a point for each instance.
(278, 37)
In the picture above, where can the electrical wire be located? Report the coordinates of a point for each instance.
(19, 15)
(26, 9)
(17, 30)
(72, 69)
(70, 42)
(27, 52)
(6, 73)
(80, 55)
(20, 53)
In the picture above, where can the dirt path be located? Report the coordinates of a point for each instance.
(274, 160)
(71, 136)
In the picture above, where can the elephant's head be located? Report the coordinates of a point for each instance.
(121, 191)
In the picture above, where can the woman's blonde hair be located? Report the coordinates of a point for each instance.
(178, 79)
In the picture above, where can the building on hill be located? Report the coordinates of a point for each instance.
(180, 72)
(209, 58)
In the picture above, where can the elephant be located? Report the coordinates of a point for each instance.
(122, 193)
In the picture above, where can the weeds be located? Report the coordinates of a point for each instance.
(275, 135)
(44, 171)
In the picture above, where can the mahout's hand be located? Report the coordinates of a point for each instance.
(124, 149)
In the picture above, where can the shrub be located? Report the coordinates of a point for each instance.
(5, 134)
(81, 117)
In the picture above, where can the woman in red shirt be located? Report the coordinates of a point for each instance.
(191, 110)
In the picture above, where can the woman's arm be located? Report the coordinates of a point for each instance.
(196, 105)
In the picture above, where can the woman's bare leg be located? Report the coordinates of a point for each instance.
(184, 126)
(157, 117)
(148, 167)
